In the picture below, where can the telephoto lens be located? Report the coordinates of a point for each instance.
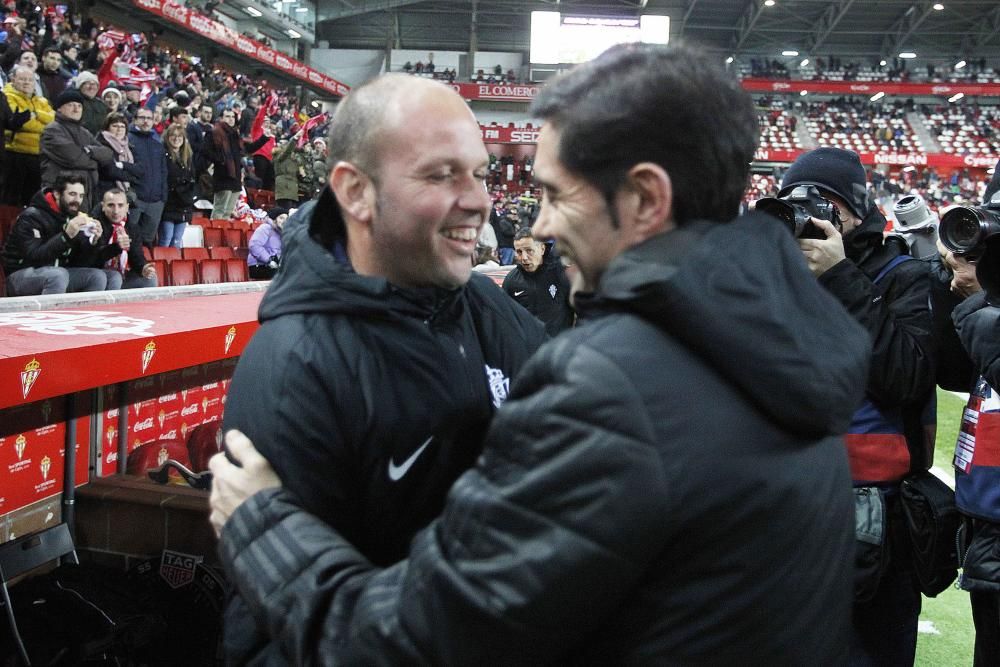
(964, 229)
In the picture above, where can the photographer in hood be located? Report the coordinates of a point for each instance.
(887, 439)
(977, 451)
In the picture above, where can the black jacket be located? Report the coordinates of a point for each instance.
(181, 184)
(544, 293)
(37, 238)
(666, 484)
(96, 256)
(368, 399)
(897, 316)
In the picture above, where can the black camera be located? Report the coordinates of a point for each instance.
(965, 229)
(795, 209)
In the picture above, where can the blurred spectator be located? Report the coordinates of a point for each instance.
(30, 60)
(21, 170)
(151, 190)
(286, 173)
(133, 95)
(53, 76)
(265, 246)
(123, 172)
(485, 258)
(94, 108)
(199, 134)
(113, 99)
(249, 116)
(227, 159)
(182, 187)
(68, 147)
(539, 283)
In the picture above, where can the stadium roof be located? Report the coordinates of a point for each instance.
(865, 30)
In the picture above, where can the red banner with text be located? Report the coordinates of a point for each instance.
(225, 36)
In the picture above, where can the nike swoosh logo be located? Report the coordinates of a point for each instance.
(519, 293)
(396, 472)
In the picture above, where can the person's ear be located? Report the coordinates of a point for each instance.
(645, 202)
(354, 191)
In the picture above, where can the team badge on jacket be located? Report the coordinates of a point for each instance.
(552, 291)
(499, 385)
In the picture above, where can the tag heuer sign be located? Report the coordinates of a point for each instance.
(177, 569)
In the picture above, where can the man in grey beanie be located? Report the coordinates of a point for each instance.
(890, 437)
(94, 108)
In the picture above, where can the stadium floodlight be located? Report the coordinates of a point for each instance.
(805, 61)
(956, 97)
(790, 52)
(960, 64)
(769, 3)
(907, 55)
(654, 29)
(877, 96)
(293, 34)
(301, 10)
(729, 60)
(803, 93)
(881, 63)
(938, 6)
(254, 12)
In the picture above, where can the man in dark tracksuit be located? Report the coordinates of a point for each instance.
(667, 482)
(376, 372)
(891, 435)
(539, 283)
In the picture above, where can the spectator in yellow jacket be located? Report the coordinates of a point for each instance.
(22, 174)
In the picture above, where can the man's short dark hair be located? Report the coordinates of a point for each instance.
(115, 191)
(178, 111)
(51, 49)
(523, 233)
(673, 106)
(67, 178)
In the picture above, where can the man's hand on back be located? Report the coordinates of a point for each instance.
(233, 484)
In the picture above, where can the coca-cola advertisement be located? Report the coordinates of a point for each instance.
(164, 407)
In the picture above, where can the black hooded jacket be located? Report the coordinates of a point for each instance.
(37, 238)
(667, 484)
(544, 292)
(896, 313)
(369, 400)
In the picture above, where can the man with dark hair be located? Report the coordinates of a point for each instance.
(114, 250)
(199, 133)
(151, 191)
(379, 361)
(227, 149)
(52, 74)
(179, 116)
(37, 255)
(666, 483)
(539, 283)
(888, 293)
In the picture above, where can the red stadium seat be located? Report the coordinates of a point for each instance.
(214, 237)
(161, 272)
(3, 285)
(147, 253)
(236, 271)
(234, 238)
(167, 254)
(221, 252)
(197, 254)
(211, 271)
(221, 223)
(241, 225)
(183, 272)
(242, 253)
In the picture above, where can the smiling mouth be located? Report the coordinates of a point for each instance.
(461, 233)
